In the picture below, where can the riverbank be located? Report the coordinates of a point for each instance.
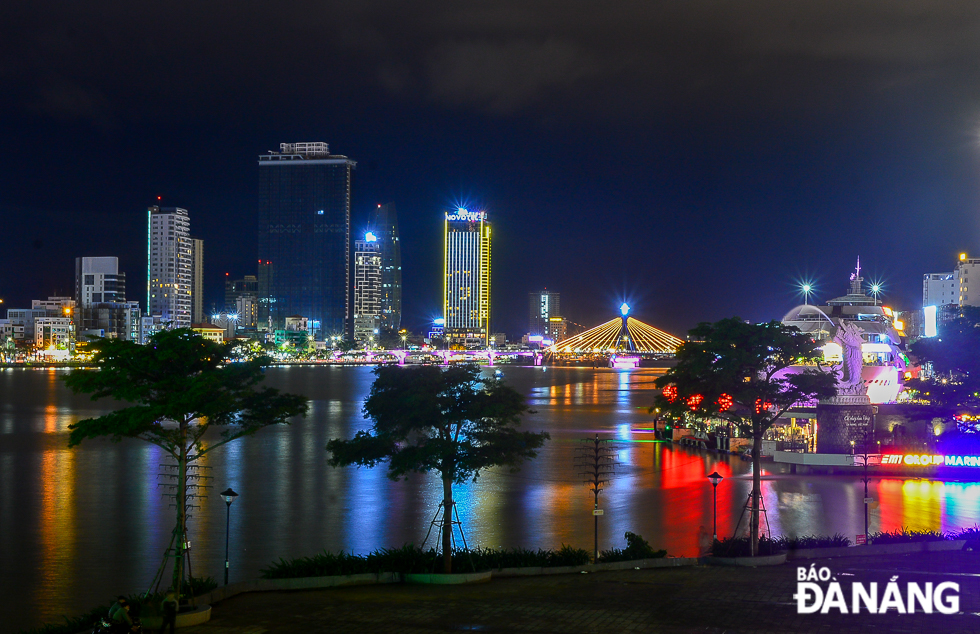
(682, 599)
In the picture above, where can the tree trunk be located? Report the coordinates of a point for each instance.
(447, 524)
(181, 503)
(756, 486)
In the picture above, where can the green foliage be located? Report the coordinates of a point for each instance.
(196, 586)
(410, 559)
(906, 536)
(72, 625)
(430, 419)
(745, 363)
(178, 377)
(742, 547)
(636, 548)
(814, 541)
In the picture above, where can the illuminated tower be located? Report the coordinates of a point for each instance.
(466, 279)
(304, 237)
(367, 288)
(168, 279)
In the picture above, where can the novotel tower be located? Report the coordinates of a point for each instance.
(466, 279)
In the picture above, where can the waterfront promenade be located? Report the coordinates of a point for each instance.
(690, 599)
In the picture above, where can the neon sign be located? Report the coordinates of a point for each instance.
(467, 216)
(930, 460)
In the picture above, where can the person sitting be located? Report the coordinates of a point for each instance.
(118, 605)
(121, 621)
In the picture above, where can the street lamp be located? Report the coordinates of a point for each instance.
(715, 478)
(807, 289)
(229, 495)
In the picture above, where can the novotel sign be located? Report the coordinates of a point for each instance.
(930, 460)
(468, 216)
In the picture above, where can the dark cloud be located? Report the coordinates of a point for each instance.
(501, 57)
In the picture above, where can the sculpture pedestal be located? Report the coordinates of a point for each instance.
(843, 419)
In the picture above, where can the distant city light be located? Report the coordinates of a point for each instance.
(929, 312)
(370, 237)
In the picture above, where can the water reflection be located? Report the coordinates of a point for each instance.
(77, 526)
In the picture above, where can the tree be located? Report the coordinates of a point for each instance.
(955, 358)
(452, 421)
(734, 371)
(181, 386)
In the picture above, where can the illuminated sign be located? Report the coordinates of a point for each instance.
(536, 338)
(467, 216)
(930, 460)
(929, 312)
(875, 347)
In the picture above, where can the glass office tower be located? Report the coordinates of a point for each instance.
(384, 225)
(304, 238)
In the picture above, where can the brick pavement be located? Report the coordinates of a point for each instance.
(708, 599)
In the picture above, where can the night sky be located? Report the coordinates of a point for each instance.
(698, 159)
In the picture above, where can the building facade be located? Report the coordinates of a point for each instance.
(384, 225)
(197, 280)
(367, 288)
(466, 279)
(304, 237)
(169, 265)
(101, 309)
(542, 306)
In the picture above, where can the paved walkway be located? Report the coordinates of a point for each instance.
(693, 599)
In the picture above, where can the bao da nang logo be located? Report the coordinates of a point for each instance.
(817, 590)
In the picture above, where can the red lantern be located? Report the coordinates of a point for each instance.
(724, 402)
(694, 401)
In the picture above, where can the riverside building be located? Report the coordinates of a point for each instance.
(169, 264)
(304, 238)
(367, 288)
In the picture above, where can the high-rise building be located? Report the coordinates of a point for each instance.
(304, 237)
(101, 308)
(98, 280)
(168, 285)
(542, 306)
(248, 286)
(384, 225)
(367, 288)
(466, 279)
(197, 280)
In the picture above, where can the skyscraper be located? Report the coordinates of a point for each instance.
(304, 237)
(101, 308)
(384, 225)
(98, 280)
(466, 278)
(168, 283)
(542, 306)
(367, 287)
(197, 280)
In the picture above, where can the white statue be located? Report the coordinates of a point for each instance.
(850, 382)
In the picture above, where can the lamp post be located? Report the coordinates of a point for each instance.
(715, 478)
(229, 495)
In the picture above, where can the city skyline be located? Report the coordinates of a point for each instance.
(695, 161)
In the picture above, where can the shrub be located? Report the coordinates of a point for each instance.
(906, 536)
(813, 541)
(409, 559)
(742, 547)
(636, 548)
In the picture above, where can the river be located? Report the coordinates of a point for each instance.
(78, 526)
